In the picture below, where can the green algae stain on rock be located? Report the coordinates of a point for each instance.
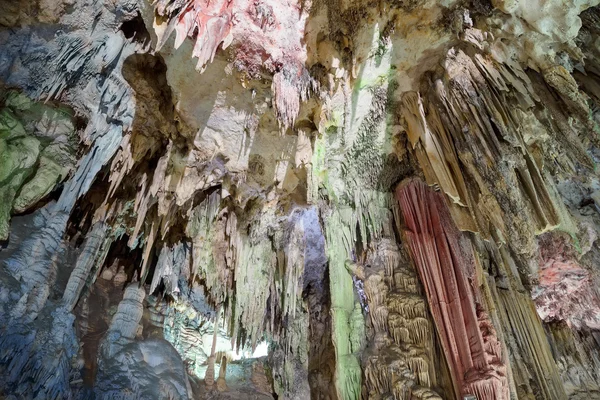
(37, 152)
(345, 330)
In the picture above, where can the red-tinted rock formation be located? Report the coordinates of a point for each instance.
(446, 266)
(566, 290)
(208, 21)
(267, 37)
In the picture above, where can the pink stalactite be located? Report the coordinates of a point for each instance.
(209, 21)
(446, 265)
(267, 34)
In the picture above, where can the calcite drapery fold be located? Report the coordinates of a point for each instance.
(532, 368)
(466, 122)
(446, 266)
(400, 360)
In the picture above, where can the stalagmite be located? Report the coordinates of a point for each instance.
(124, 324)
(209, 377)
(221, 382)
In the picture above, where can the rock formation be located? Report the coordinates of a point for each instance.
(328, 199)
(447, 270)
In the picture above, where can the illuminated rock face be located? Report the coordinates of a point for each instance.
(328, 199)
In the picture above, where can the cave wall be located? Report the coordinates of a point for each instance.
(396, 199)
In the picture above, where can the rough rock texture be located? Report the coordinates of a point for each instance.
(400, 360)
(37, 145)
(328, 199)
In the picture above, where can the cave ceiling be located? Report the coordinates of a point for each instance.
(294, 199)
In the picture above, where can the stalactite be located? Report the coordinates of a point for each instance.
(209, 22)
(520, 316)
(291, 86)
(489, 120)
(439, 153)
(513, 312)
(571, 350)
(35, 260)
(169, 267)
(452, 292)
(91, 256)
(495, 104)
(289, 312)
(202, 229)
(253, 273)
(255, 29)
